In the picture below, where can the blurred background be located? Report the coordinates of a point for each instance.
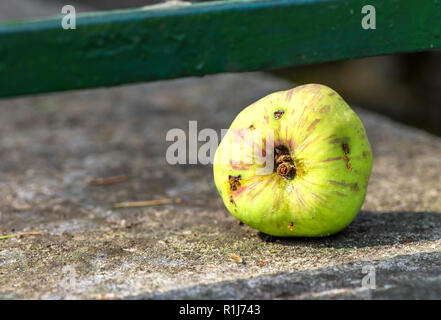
(405, 87)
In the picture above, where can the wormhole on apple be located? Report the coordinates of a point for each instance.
(234, 182)
(283, 163)
(278, 114)
(345, 147)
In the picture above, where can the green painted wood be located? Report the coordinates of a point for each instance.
(127, 46)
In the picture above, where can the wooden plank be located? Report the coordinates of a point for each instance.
(127, 46)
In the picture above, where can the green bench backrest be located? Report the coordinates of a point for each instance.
(127, 46)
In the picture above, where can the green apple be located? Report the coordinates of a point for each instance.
(295, 163)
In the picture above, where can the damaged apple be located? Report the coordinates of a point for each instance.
(295, 163)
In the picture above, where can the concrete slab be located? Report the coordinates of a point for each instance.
(51, 146)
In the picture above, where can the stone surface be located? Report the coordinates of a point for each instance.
(53, 145)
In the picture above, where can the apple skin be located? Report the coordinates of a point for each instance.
(328, 147)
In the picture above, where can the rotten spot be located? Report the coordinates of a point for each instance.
(278, 114)
(345, 148)
(234, 182)
(251, 127)
(283, 163)
(232, 200)
(291, 226)
(345, 157)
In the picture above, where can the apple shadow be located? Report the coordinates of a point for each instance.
(374, 229)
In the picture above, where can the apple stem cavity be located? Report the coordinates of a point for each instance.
(283, 163)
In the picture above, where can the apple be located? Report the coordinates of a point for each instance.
(295, 163)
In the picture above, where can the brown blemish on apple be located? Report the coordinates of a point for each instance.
(317, 196)
(251, 127)
(353, 187)
(338, 183)
(342, 139)
(345, 157)
(340, 194)
(313, 124)
(278, 114)
(331, 94)
(332, 159)
(232, 200)
(234, 182)
(325, 109)
(348, 165)
(291, 226)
